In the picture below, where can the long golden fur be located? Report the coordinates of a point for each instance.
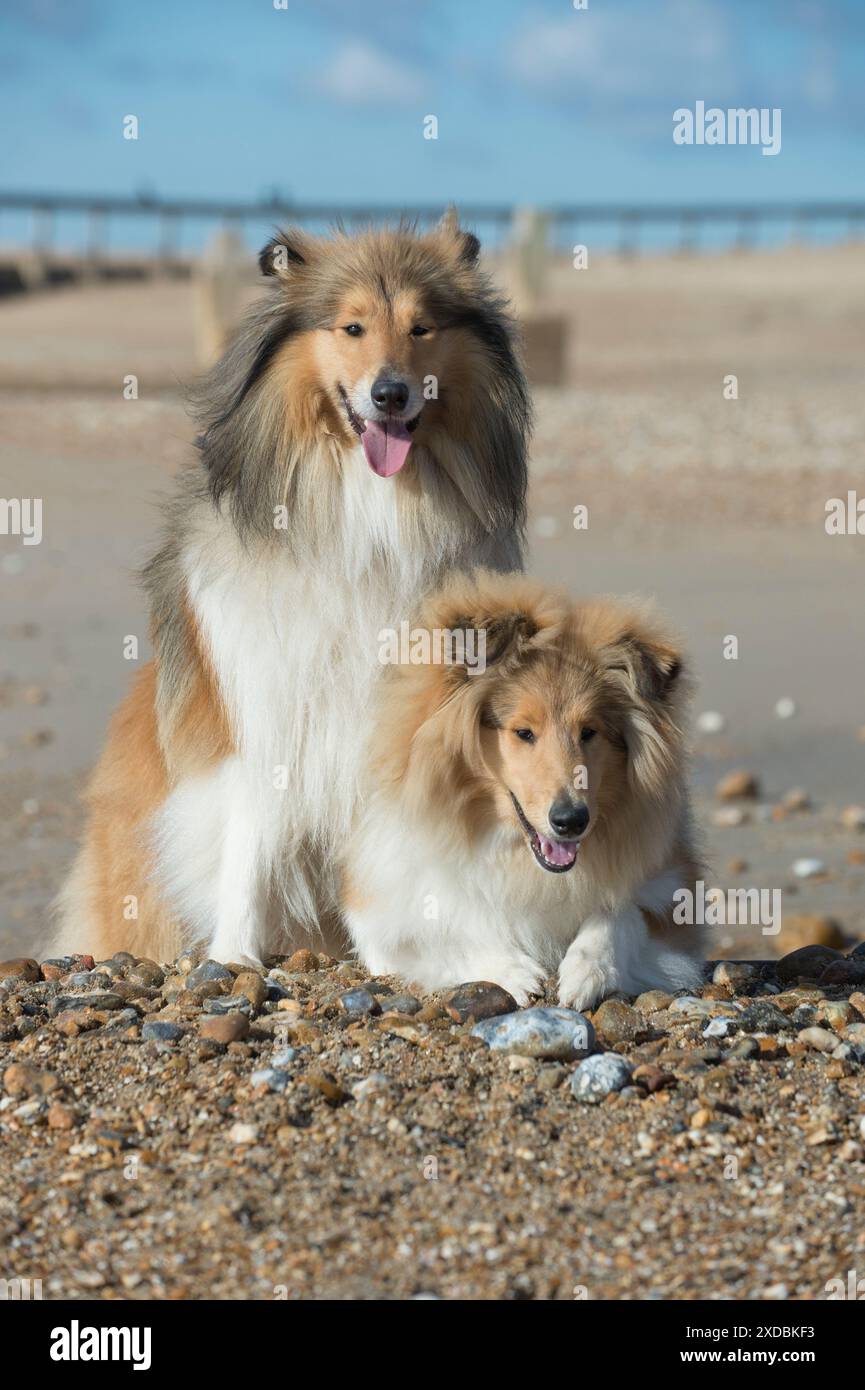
(225, 792)
(456, 870)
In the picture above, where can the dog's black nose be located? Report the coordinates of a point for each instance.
(389, 394)
(567, 818)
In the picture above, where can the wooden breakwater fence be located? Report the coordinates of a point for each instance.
(33, 258)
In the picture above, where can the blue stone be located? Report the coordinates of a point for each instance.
(561, 1034)
(600, 1076)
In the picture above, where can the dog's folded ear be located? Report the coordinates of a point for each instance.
(285, 252)
(649, 667)
(474, 643)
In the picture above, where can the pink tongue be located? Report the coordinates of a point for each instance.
(385, 446)
(558, 851)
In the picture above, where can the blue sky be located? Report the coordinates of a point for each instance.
(536, 102)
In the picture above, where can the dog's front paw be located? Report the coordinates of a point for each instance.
(584, 981)
(519, 975)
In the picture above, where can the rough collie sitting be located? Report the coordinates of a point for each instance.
(363, 436)
(531, 816)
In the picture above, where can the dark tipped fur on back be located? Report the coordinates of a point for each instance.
(251, 460)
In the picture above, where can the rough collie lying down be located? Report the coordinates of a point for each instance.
(364, 436)
(533, 816)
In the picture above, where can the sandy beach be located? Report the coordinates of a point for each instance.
(713, 506)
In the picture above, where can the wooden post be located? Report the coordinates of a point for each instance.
(545, 333)
(222, 278)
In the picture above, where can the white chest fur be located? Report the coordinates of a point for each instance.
(294, 639)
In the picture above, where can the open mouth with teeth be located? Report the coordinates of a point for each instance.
(385, 442)
(556, 856)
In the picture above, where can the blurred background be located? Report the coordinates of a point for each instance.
(694, 319)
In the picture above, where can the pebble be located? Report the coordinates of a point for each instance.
(728, 817)
(159, 1030)
(206, 972)
(120, 1022)
(738, 974)
(82, 978)
(327, 1086)
(227, 1004)
(274, 1078)
(284, 1056)
(653, 1001)
(61, 1116)
(20, 968)
(823, 1134)
(302, 962)
(224, 1028)
(98, 999)
(347, 970)
(550, 1078)
(653, 1078)
(556, 1033)
(844, 972)
(786, 707)
(853, 818)
(359, 1002)
(618, 1022)
(701, 1118)
(478, 1000)
(808, 867)
(739, 784)
(251, 986)
(720, 1028)
(600, 1076)
(796, 799)
(820, 1038)
(806, 963)
(762, 1016)
(23, 1079)
(519, 1063)
(243, 1134)
(147, 972)
(711, 722)
(372, 1087)
(402, 1004)
(275, 988)
(745, 1047)
(837, 1014)
(690, 1004)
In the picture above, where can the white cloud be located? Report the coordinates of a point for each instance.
(597, 54)
(360, 75)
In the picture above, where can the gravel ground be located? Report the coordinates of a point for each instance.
(192, 1131)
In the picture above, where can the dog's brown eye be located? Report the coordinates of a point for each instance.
(419, 331)
(354, 330)
(525, 734)
(586, 734)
